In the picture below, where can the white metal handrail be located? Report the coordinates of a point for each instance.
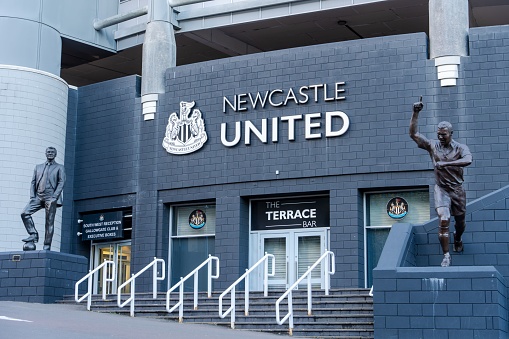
(180, 284)
(266, 275)
(330, 260)
(89, 277)
(132, 280)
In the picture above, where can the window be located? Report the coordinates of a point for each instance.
(192, 240)
(383, 210)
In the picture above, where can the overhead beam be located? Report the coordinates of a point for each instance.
(218, 40)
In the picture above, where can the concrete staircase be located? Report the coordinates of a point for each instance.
(345, 313)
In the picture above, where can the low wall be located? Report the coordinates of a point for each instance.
(414, 297)
(39, 276)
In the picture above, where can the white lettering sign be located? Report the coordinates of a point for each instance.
(279, 97)
(336, 124)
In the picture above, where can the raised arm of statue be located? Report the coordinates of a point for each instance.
(413, 130)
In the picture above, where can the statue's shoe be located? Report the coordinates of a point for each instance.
(458, 244)
(34, 237)
(47, 247)
(446, 262)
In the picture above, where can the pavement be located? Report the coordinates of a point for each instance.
(20, 320)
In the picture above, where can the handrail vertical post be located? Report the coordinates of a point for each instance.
(105, 275)
(195, 293)
(290, 310)
(89, 298)
(133, 288)
(246, 294)
(309, 292)
(247, 288)
(266, 276)
(154, 279)
(326, 274)
(209, 278)
(233, 308)
(324, 261)
(181, 301)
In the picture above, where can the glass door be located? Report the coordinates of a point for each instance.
(278, 245)
(120, 253)
(309, 246)
(294, 252)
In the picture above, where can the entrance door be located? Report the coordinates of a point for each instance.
(294, 252)
(120, 253)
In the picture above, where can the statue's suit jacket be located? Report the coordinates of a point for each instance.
(55, 179)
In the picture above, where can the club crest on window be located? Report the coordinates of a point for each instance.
(197, 219)
(397, 208)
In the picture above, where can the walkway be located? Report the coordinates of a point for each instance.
(54, 321)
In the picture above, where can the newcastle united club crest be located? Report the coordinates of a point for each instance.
(397, 208)
(185, 133)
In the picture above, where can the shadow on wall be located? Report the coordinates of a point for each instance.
(415, 297)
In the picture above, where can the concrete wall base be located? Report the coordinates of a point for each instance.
(39, 276)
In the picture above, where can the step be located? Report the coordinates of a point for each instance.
(344, 313)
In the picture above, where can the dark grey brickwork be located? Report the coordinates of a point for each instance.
(382, 76)
(124, 163)
(413, 295)
(39, 276)
(468, 299)
(106, 160)
(107, 136)
(69, 223)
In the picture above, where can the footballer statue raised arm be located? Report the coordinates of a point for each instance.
(448, 157)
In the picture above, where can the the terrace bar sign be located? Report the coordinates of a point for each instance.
(102, 226)
(278, 214)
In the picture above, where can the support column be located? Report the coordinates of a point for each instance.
(448, 35)
(33, 114)
(159, 54)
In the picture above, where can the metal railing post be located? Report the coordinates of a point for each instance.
(325, 259)
(154, 279)
(133, 288)
(245, 276)
(180, 284)
(181, 301)
(90, 276)
(326, 275)
(133, 285)
(209, 279)
(265, 278)
(290, 308)
(232, 319)
(309, 292)
(195, 294)
(89, 298)
(246, 294)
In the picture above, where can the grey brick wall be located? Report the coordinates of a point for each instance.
(39, 276)
(33, 113)
(107, 137)
(415, 297)
(383, 77)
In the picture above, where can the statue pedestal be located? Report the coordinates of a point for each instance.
(39, 276)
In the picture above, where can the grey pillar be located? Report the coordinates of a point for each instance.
(159, 54)
(448, 35)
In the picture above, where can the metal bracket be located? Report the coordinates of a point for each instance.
(173, 19)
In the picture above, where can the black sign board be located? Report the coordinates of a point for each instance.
(102, 226)
(278, 214)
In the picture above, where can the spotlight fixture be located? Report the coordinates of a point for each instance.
(345, 24)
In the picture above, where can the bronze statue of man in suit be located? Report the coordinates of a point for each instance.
(448, 157)
(45, 192)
